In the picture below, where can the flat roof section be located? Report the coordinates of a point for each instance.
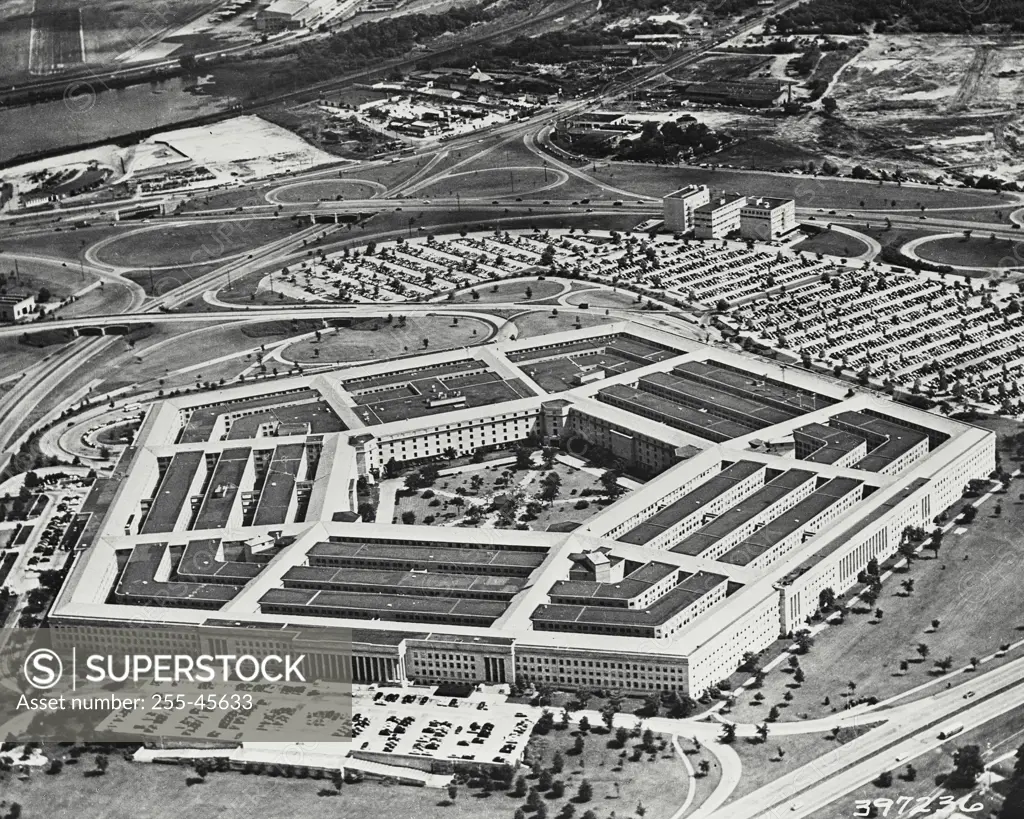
(754, 386)
(748, 508)
(276, 495)
(172, 493)
(755, 413)
(777, 530)
(684, 594)
(887, 440)
(835, 443)
(675, 415)
(496, 561)
(138, 581)
(201, 563)
(403, 376)
(863, 523)
(402, 608)
(406, 582)
(317, 417)
(203, 419)
(631, 586)
(223, 489)
(691, 502)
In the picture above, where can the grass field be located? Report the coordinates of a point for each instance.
(511, 291)
(174, 345)
(974, 598)
(974, 252)
(15, 357)
(363, 341)
(486, 182)
(762, 763)
(327, 190)
(620, 784)
(33, 276)
(63, 244)
(816, 192)
(538, 323)
(996, 738)
(832, 243)
(601, 297)
(194, 244)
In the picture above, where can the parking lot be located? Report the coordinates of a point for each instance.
(415, 722)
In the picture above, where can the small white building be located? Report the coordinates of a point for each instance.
(15, 306)
(719, 217)
(678, 206)
(766, 218)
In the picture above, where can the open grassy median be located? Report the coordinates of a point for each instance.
(976, 251)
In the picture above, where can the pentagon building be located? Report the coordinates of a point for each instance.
(761, 487)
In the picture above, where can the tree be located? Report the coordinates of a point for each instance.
(910, 774)
(728, 735)
(704, 768)
(545, 780)
(520, 787)
(773, 714)
(453, 792)
(799, 676)
(762, 732)
(558, 789)
(557, 763)
(585, 792)
(922, 649)
(610, 483)
(577, 747)
(884, 779)
(968, 765)
(621, 737)
(519, 814)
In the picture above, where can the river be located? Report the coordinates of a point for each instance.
(84, 117)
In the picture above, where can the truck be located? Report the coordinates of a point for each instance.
(950, 730)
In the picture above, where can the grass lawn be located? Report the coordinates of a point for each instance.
(817, 192)
(995, 738)
(975, 598)
(601, 297)
(363, 341)
(32, 276)
(480, 487)
(172, 346)
(762, 764)
(832, 243)
(67, 244)
(163, 246)
(327, 189)
(16, 357)
(974, 252)
(500, 181)
(511, 291)
(657, 781)
(538, 323)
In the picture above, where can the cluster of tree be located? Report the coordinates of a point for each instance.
(858, 16)
(1013, 802)
(670, 141)
(373, 42)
